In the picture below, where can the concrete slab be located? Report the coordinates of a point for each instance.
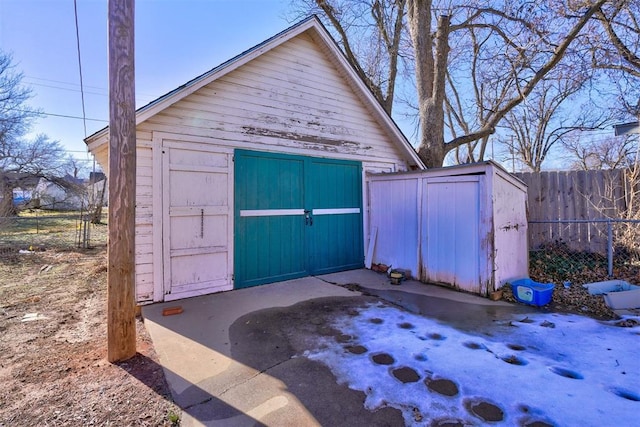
(195, 352)
(378, 281)
(225, 370)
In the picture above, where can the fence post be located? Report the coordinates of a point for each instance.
(610, 247)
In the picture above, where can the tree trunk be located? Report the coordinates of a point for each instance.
(430, 78)
(431, 148)
(6, 202)
(96, 217)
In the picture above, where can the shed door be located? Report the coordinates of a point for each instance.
(196, 196)
(452, 225)
(295, 216)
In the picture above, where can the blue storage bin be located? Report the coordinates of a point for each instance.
(531, 292)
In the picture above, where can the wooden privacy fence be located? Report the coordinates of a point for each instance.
(582, 197)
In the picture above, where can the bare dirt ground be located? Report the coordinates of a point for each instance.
(53, 367)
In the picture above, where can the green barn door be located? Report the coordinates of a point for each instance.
(334, 194)
(295, 216)
(269, 218)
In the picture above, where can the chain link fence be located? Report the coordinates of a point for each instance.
(576, 251)
(37, 230)
(582, 251)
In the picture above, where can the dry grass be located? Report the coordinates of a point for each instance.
(37, 230)
(53, 370)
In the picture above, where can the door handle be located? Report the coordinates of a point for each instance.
(308, 219)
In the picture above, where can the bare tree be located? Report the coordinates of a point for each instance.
(600, 153)
(21, 160)
(370, 33)
(518, 44)
(615, 49)
(14, 120)
(550, 115)
(542, 121)
(523, 33)
(15, 116)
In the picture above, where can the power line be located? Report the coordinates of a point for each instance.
(42, 113)
(84, 115)
(69, 117)
(60, 82)
(143, 95)
(67, 89)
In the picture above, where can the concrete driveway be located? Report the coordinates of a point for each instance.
(236, 358)
(349, 349)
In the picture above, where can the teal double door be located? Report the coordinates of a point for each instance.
(295, 216)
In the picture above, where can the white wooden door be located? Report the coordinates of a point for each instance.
(197, 221)
(451, 241)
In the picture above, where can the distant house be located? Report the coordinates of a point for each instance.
(22, 196)
(98, 189)
(20, 185)
(68, 193)
(627, 128)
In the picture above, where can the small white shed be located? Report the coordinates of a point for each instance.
(462, 226)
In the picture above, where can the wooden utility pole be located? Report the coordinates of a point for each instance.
(121, 327)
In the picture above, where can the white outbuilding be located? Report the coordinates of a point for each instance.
(462, 226)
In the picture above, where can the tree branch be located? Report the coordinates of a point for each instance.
(489, 126)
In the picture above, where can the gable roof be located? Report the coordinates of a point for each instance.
(320, 35)
(626, 128)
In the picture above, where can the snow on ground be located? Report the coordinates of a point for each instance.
(545, 369)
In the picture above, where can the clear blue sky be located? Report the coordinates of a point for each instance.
(176, 40)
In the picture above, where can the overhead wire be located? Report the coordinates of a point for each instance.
(84, 115)
(28, 77)
(103, 91)
(70, 89)
(72, 117)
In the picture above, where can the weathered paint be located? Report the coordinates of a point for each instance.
(395, 210)
(196, 206)
(510, 228)
(451, 224)
(463, 226)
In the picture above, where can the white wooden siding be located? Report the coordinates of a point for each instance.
(291, 99)
(395, 215)
(144, 222)
(511, 235)
(197, 220)
(451, 233)
(102, 153)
